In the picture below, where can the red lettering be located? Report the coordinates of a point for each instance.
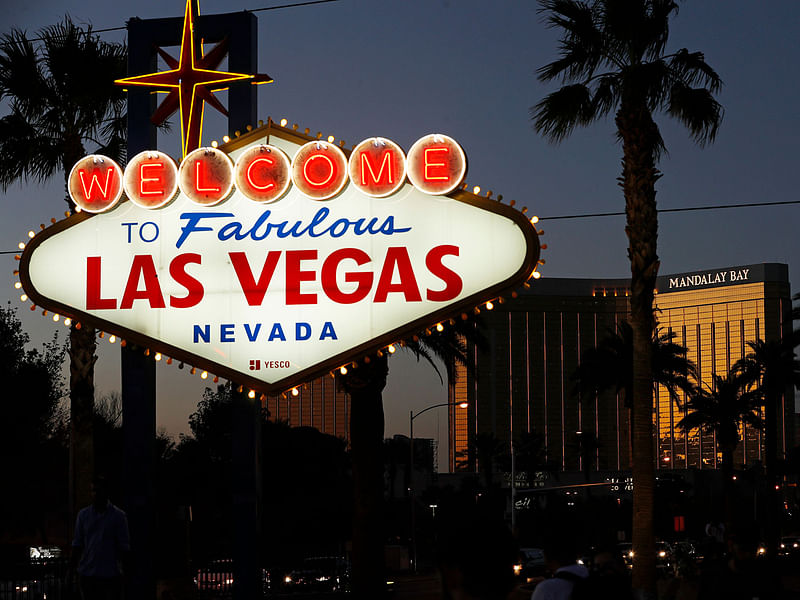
(93, 299)
(366, 165)
(428, 166)
(158, 179)
(249, 172)
(451, 279)
(319, 170)
(105, 191)
(397, 259)
(200, 175)
(254, 291)
(323, 171)
(143, 267)
(295, 276)
(363, 280)
(177, 269)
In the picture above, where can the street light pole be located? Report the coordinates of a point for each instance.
(411, 417)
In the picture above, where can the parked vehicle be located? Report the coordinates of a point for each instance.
(790, 547)
(319, 574)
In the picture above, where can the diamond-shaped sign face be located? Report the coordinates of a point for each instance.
(273, 293)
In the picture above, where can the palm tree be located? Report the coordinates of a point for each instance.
(365, 386)
(612, 58)
(61, 97)
(772, 370)
(722, 409)
(610, 365)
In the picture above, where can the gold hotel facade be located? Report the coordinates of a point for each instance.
(523, 382)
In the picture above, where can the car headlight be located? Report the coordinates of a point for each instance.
(662, 554)
(517, 569)
(287, 579)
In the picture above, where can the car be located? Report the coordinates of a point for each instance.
(531, 563)
(663, 555)
(217, 578)
(790, 547)
(319, 574)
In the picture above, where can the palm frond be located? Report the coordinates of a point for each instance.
(559, 113)
(698, 110)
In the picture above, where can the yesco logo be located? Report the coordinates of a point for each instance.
(377, 167)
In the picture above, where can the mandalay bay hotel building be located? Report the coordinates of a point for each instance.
(523, 376)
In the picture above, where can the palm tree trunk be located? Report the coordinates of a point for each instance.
(639, 141)
(728, 489)
(365, 386)
(81, 402)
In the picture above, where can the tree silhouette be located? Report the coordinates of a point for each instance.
(32, 435)
(62, 96)
(612, 57)
(722, 409)
(365, 386)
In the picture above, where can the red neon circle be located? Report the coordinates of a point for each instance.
(206, 176)
(319, 170)
(377, 167)
(436, 164)
(95, 183)
(151, 179)
(262, 173)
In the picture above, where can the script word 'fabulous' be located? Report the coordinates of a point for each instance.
(435, 164)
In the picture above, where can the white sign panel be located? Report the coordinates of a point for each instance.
(271, 294)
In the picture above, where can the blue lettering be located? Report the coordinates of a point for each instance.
(252, 335)
(262, 229)
(276, 333)
(226, 332)
(204, 334)
(302, 331)
(191, 226)
(328, 331)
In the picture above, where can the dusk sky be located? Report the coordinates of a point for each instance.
(361, 68)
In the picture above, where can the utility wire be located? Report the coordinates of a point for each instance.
(671, 210)
(616, 214)
(277, 7)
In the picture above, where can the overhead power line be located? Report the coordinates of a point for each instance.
(619, 214)
(276, 7)
(671, 210)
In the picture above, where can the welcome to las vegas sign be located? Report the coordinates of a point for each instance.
(276, 257)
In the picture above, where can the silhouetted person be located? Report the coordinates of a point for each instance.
(560, 558)
(100, 546)
(476, 555)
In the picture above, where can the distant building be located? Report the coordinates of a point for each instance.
(321, 403)
(535, 342)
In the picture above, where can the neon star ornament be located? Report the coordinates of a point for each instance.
(190, 81)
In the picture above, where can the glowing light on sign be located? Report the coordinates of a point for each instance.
(263, 173)
(206, 176)
(95, 183)
(319, 170)
(436, 164)
(151, 179)
(377, 167)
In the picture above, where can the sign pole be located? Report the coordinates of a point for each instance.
(138, 370)
(138, 389)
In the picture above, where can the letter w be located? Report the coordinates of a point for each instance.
(254, 291)
(101, 189)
